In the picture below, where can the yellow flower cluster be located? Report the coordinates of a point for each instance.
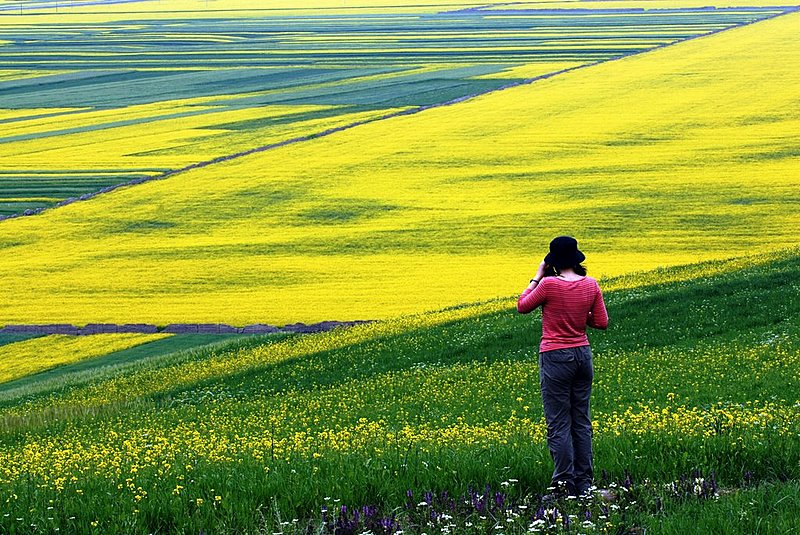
(751, 419)
(114, 452)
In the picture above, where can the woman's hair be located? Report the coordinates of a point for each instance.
(579, 269)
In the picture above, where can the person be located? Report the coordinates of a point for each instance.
(570, 302)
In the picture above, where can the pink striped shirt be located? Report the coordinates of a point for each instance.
(568, 307)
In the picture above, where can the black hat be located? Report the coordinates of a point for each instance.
(564, 253)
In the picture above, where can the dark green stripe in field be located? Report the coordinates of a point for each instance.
(16, 186)
(145, 87)
(102, 126)
(421, 93)
(9, 208)
(65, 82)
(11, 338)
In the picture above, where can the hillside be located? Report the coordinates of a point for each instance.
(677, 155)
(699, 373)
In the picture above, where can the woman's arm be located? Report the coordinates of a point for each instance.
(598, 315)
(534, 295)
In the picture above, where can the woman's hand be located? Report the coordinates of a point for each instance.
(539, 276)
(540, 272)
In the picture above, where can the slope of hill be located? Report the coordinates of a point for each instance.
(698, 373)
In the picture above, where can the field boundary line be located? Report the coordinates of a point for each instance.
(412, 111)
(176, 328)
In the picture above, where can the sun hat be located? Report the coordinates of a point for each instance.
(564, 253)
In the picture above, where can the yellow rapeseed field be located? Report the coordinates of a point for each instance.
(677, 155)
(38, 354)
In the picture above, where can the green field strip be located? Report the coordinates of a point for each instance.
(164, 346)
(401, 91)
(9, 208)
(412, 94)
(64, 184)
(11, 338)
(174, 85)
(58, 188)
(137, 87)
(64, 82)
(54, 186)
(77, 171)
(153, 355)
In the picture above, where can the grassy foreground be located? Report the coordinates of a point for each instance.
(694, 374)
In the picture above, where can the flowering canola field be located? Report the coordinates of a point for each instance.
(680, 154)
(240, 437)
(147, 98)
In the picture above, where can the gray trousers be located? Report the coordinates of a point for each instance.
(565, 377)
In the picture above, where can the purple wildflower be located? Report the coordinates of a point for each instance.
(499, 499)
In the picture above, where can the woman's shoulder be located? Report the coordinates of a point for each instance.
(591, 281)
(584, 280)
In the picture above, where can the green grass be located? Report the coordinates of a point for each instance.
(711, 344)
(770, 508)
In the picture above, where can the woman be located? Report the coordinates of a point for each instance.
(570, 302)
